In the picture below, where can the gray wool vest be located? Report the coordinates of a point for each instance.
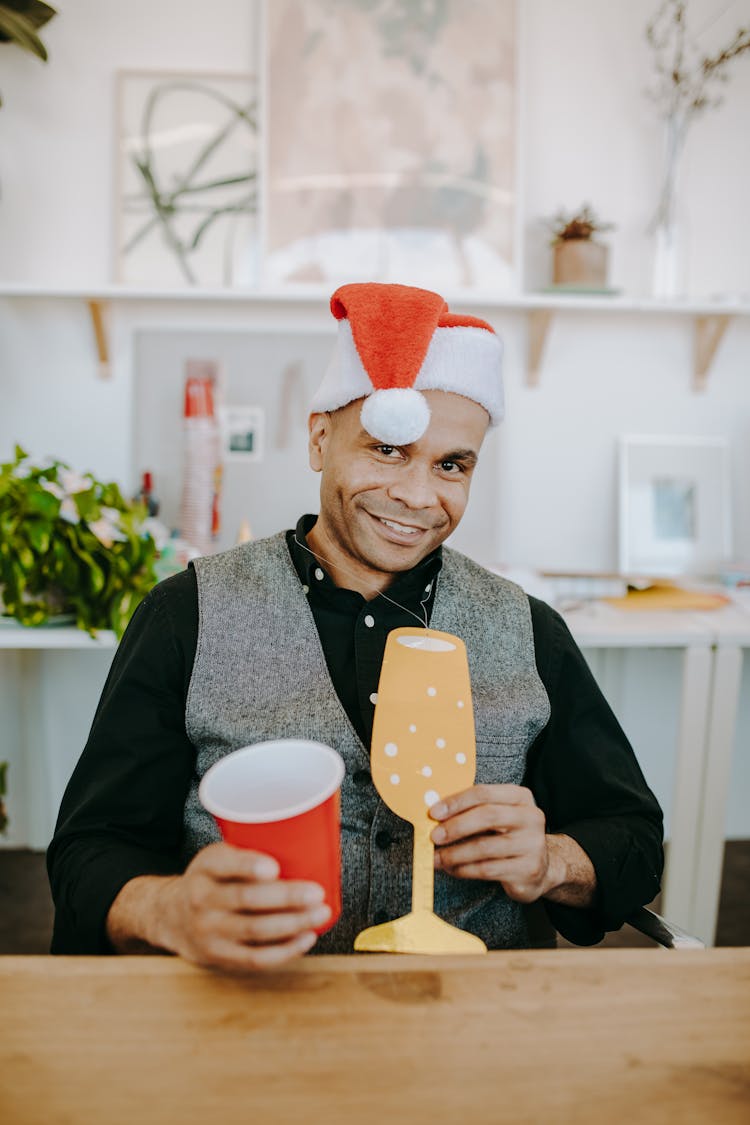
(260, 673)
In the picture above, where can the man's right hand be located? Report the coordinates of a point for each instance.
(229, 911)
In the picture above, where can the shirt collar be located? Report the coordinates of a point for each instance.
(405, 584)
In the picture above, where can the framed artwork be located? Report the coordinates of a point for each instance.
(243, 432)
(392, 143)
(675, 514)
(187, 181)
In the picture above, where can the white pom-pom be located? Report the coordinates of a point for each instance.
(397, 416)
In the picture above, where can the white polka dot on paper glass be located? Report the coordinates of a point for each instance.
(460, 703)
(431, 797)
(395, 779)
(460, 758)
(432, 691)
(374, 697)
(369, 621)
(413, 728)
(391, 749)
(426, 771)
(319, 574)
(440, 743)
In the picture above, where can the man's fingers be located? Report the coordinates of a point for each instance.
(490, 869)
(518, 883)
(268, 929)
(232, 957)
(263, 898)
(480, 818)
(482, 848)
(481, 795)
(222, 861)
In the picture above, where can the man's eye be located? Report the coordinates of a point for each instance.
(386, 450)
(450, 466)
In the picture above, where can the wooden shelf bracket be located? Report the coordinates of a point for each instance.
(707, 335)
(98, 310)
(539, 324)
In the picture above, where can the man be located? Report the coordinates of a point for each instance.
(285, 638)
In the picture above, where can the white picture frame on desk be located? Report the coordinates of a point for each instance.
(674, 505)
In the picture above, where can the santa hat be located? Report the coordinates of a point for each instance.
(395, 341)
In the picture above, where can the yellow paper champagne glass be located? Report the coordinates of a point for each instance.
(423, 749)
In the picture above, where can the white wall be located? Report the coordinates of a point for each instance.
(587, 133)
(546, 493)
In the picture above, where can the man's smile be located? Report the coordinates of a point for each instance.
(397, 532)
(407, 529)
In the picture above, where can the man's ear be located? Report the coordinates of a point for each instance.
(320, 432)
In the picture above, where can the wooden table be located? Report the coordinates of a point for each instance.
(590, 1036)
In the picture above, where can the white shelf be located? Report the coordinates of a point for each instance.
(710, 319)
(314, 294)
(64, 637)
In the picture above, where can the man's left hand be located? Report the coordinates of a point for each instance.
(497, 832)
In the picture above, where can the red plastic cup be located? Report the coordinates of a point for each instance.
(282, 798)
(199, 397)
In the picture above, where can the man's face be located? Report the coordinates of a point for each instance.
(383, 508)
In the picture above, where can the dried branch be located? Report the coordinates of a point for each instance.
(687, 79)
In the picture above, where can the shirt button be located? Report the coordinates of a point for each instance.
(383, 840)
(318, 574)
(361, 777)
(379, 917)
(369, 621)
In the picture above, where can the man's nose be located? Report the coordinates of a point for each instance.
(414, 486)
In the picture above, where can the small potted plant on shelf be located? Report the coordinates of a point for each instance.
(579, 261)
(71, 546)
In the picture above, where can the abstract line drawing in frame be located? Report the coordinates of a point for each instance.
(392, 142)
(675, 510)
(187, 179)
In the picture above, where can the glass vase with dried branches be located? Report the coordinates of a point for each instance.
(688, 82)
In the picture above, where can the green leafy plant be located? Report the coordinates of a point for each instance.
(581, 224)
(70, 544)
(20, 21)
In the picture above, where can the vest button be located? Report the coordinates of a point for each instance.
(380, 916)
(383, 840)
(361, 777)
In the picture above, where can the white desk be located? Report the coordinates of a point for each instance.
(50, 680)
(599, 625)
(731, 635)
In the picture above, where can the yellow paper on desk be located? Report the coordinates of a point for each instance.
(659, 597)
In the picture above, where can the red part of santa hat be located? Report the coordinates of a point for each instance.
(395, 341)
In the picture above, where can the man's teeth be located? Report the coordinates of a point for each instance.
(402, 527)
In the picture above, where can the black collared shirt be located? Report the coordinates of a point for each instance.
(122, 812)
(352, 629)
